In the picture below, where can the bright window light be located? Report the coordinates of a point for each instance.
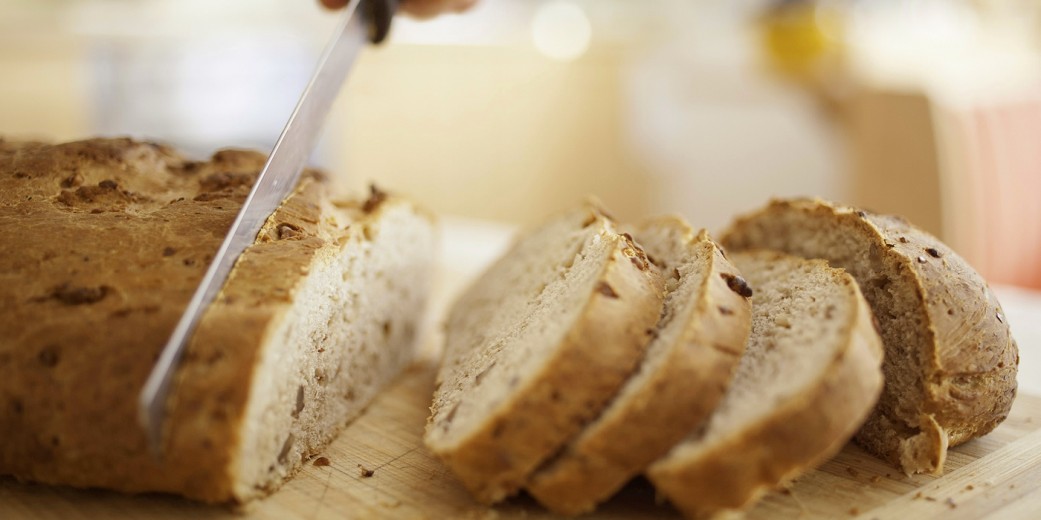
(561, 30)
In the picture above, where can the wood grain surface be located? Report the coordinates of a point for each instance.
(379, 469)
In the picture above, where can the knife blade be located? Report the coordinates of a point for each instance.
(276, 181)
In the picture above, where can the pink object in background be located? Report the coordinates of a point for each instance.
(999, 189)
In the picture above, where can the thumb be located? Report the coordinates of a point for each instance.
(334, 4)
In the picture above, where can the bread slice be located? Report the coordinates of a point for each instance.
(537, 346)
(809, 377)
(697, 343)
(103, 244)
(950, 358)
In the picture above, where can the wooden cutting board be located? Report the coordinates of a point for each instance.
(379, 469)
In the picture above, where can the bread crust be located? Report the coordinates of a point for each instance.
(968, 360)
(800, 434)
(126, 230)
(668, 404)
(598, 353)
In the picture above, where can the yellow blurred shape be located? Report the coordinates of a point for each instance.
(799, 36)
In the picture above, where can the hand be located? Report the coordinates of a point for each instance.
(418, 8)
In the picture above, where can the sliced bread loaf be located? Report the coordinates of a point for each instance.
(809, 377)
(537, 346)
(102, 244)
(697, 343)
(950, 359)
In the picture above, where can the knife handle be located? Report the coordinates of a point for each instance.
(379, 14)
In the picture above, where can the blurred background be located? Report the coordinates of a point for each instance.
(926, 108)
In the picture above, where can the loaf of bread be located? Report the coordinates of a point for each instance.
(809, 377)
(536, 347)
(697, 344)
(951, 362)
(103, 243)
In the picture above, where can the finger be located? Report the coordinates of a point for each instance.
(462, 5)
(334, 4)
(431, 8)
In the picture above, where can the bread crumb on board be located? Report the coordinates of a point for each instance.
(365, 472)
(322, 462)
(388, 502)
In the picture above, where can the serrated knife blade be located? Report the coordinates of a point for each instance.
(276, 181)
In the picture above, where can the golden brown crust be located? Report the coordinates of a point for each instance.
(114, 265)
(674, 399)
(599, 352)
(125, 232)
(797, 436)
(967, 360)
(973, 367)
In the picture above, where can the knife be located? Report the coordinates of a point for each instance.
(363, 21)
